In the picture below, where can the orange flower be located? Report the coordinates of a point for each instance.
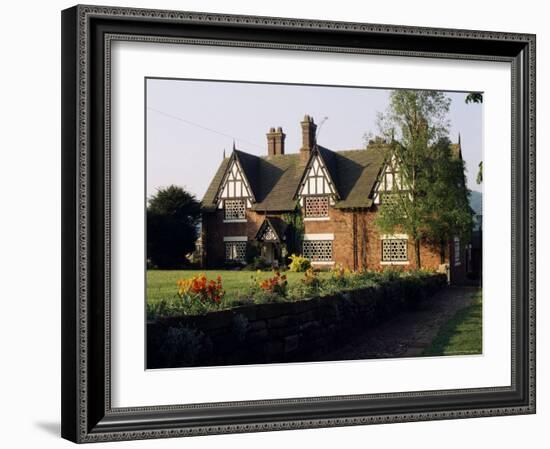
(201, 289)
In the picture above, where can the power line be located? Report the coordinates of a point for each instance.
(203, 127)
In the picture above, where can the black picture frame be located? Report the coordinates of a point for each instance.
(87, 414)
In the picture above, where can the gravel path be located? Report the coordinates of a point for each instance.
(406, 335)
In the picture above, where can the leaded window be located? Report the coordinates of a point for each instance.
(268, 235)
(235, 251)
(318, 250)
(316, 206)
(394, 250)
(235, 210)
(456, 251)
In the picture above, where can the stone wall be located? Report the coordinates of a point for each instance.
(280, 332)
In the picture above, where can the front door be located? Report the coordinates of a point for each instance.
(268, 252)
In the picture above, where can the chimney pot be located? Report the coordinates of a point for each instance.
(275, 141)
(309, 129)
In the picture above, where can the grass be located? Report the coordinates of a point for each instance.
(162, 283)
(462, 334)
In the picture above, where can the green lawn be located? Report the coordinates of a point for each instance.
(462, 334)
(162, 283)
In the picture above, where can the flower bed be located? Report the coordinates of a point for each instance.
(198, 295)
(289, 329)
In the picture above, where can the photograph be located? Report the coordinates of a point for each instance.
(295, 223)
(302, 221)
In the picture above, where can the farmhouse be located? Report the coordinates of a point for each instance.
(317, 202)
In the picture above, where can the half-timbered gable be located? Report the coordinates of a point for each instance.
(390, 181)
(317, 180)
(235, 194)
(317, 190)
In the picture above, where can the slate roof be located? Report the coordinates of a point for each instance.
(275, 179)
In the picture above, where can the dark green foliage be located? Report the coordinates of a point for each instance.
(479, 177)
(172, 221)
(433, 202)
(295, 231)
(474, 97)
(252, 251)
(445, 206)
(259, 263)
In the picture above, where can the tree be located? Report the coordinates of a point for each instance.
(172, 221)
(445, 206)
(431, 201)
(479, 177)
(476, 97)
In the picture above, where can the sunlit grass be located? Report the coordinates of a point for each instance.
(162, 283)
(462, 334)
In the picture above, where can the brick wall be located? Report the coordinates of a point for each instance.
(356, 242)
(214, 230)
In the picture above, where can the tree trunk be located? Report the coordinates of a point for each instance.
(417, 253)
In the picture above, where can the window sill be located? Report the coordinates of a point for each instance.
(316, 218)
(236, 220)
(326, 262)
(395, 263)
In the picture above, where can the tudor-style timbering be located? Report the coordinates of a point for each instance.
(235, 185)
(317, 179)
(317, 191)
(235, 194)
(389, 183)
(251, 198)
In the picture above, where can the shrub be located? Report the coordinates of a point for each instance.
(311, 281)
(267, 297)
(252, 252)
(195, 296)
(277, 285)
(258, 263)
(299, 263)
(341, 276)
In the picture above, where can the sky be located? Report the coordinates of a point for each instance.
(189, 124)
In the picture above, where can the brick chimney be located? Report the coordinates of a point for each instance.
(308, 136)
(275, 142)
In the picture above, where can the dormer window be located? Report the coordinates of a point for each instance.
(234, 210)
(316, 206)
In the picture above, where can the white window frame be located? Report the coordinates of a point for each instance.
(234, 240)
(234, 220)
(321, 238)
(402, 237)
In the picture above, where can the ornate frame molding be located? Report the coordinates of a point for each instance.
(88, 32)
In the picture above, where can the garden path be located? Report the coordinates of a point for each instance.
(406, 335)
